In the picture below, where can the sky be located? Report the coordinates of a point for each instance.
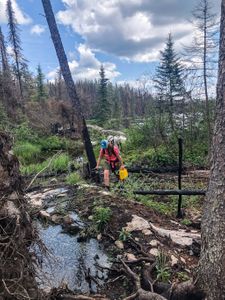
(126, 36)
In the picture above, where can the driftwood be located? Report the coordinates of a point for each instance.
(171, 192)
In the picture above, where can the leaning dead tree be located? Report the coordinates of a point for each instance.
(68, 80)
(212, 261)
(17, 276)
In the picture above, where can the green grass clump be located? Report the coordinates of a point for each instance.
(162, 269)
(27, 152)
(73, 178)
(59, 164)
(101, 217)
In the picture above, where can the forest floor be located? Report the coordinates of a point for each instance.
(140, 235)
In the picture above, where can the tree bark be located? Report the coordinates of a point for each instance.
(211, 271)
(68, 79)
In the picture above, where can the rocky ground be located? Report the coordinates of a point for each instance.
(149, 250)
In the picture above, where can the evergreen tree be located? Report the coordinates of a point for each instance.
(169, 82)
(103, 105)
(20, 63)
(41, 93)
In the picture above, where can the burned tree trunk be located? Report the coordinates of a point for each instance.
(17, 276)
(68, 79)
(211, 272)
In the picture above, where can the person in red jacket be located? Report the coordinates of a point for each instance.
(113, 160)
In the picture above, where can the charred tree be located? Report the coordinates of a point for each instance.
(15, 42)
(68, 79)
(211, 271)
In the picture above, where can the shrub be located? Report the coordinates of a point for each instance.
(60, 163)
(27, 152)
(124, 235)
(101, 217)
(73, 178)
(24, 133)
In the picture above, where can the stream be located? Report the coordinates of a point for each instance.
(68, 260)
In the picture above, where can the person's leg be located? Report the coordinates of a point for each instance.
(106, 178)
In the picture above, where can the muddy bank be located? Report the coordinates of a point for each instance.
(151, 235)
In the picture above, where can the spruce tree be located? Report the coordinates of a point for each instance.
(169, 82)
(41, 93)
(103, 111)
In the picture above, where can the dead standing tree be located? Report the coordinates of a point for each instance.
(68, 80)
(212, 263)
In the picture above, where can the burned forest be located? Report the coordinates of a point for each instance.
(112, 150)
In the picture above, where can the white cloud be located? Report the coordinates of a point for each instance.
(87, 66)
(134, 30)
(37, 29)
(21, 17)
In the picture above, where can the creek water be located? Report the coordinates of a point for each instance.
(68, 260)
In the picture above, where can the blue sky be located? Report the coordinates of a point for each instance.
(125, 36)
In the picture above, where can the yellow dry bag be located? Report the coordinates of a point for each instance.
(123, 173)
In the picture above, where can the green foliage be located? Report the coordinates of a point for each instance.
(58, 164)
(41, 93)
(182, 276)
(186, 222)
(73, 178)
(27, 153)
(24, 133)
(101, 217)
(162, 268)
(103, 110)
(4, 121)
(124, 235)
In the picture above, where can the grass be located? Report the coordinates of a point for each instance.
(73, 178)
(27, 152)
(101, 217)
(59, 164)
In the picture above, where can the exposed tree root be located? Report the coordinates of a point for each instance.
(17, 276)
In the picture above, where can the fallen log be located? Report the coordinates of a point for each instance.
(169, 169)
(171, 192)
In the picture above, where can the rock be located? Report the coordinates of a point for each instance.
(72, 229)
(154, 252)
(57, 219)
(67, 220)
(44, 214)
(179, 237)
(53, 180)
(90, 218)
(137, 224)
(131, 257)
(99, 237)
(174, 260)
(119, 244)
(146, 232)
(154, 243)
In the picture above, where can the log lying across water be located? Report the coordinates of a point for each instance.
(171, 169)
(171, 192)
